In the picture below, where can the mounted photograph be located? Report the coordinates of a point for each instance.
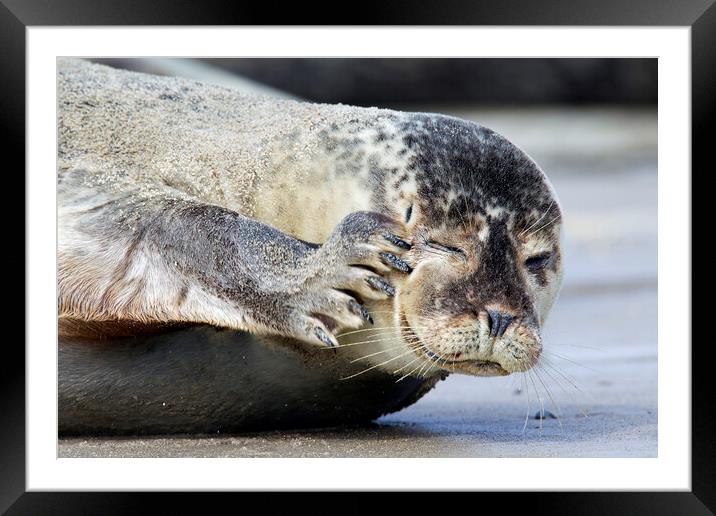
(357, 257)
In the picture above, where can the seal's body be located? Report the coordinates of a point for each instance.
(432, 243)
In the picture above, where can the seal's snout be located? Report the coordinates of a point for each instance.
(498, 321)
(521, 351)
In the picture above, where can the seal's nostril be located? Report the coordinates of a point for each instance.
(504, 323)
(498, 321)
(493, 321)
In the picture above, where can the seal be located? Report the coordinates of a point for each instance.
(414, 244)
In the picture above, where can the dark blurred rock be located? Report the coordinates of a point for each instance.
(499, 81)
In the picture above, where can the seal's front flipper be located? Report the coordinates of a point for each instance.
(134, 250)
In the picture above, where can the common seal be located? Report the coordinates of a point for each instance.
(415, 244)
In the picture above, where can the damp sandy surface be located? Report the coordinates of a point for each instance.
(600, 340)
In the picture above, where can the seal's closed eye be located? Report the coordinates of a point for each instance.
(445, 248)
(538, 262)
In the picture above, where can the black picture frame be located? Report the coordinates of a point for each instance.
(17, 15)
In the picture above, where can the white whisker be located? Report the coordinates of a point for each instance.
(377, 365)
(539, 399)
(527, 391)
(374, 354)
(545, 226)
(538, 220)
(572, 361)
(556, 407)
(406, 365)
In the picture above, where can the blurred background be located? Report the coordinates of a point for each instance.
(591, 124)
(381, 81)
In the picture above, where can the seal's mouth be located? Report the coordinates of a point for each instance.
(473, 367)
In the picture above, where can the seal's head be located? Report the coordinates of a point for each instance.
(485, 224)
